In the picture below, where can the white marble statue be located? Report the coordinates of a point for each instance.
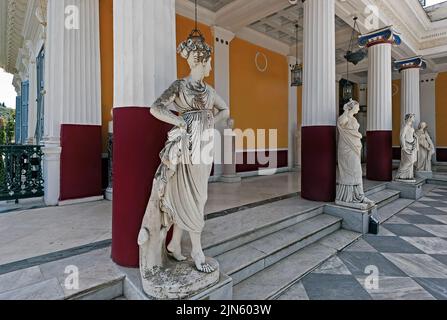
(180, 187)
(350, 179)
(409, 146)
(426, 149)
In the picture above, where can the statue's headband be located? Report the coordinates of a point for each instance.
(196, 45)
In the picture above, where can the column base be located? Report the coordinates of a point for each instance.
(138, 140)
(379, 155)
(318, 170)
(51, 173)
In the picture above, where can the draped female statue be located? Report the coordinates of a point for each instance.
(426, 149)
(350, 180)
(409, 146)
(180, 186)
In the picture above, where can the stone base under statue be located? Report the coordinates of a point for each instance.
(180, 280)
(358, 206)
(408, 190)
(354, 219)
(412, 181)
(230, 179)
(424, 174)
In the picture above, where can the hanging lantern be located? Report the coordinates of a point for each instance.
(297, 75)
(348, 90)
(297, 70)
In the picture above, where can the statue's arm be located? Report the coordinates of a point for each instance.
(160, 108)
(222, 108)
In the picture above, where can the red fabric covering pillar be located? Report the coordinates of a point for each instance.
(138, 140)
(379, 155)
(318, 174)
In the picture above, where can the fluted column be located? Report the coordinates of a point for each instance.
(72, 124)
(319, 102)
(410, 86)
(380, 121)
(222, 41)
(293, 116)
(145, 66)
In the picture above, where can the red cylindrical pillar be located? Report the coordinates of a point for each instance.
(138, 139)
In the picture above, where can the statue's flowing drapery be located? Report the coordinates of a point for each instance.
(182, 178)
(409, 151)
(350, 182)
(425, 152)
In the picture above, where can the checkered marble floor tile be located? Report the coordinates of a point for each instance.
(409, 254)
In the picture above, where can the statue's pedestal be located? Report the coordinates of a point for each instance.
(180, 280)
(356, 217)
(408, 189)
(424, 174)
(230, 179)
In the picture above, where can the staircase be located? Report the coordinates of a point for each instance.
(267, 249)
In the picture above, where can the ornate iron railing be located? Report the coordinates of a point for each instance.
(20, 172)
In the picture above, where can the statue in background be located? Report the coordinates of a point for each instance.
(426, 149)
(180, 187)
(409, 146)
(350, 180)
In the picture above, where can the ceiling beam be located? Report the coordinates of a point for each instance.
(242, 13)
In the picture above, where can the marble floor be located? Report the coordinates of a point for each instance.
(409, 256)
(35, 232)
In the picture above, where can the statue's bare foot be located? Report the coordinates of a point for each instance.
(176, 253)
(368, 201)
(201, 265)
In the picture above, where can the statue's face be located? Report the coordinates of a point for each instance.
(356, 109)
(207, 68)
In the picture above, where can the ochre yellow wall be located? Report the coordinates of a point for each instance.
(106, 39)
(184, 28)
(259, 100)
(396, 113)
(441, 110)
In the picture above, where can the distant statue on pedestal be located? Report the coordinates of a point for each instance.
(426, 149)
(180, 187)
(409, 146)
(350, 181)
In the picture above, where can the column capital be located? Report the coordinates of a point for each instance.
(222, 35)
(410, 63)
(385, 35)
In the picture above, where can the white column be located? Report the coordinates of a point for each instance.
(319, 98)
(380, 88)
(72, 79)
(410, 95)
(294, 138)
(145, 52)
(32, 106)
(428, 103)
(380, 117)
(318, 173)
(222, 41)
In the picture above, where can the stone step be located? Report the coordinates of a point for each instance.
(247, 260)
(108, 290)
(369, 190)
(384, 197)
(235, 230)
(389, 210)
(270, 283)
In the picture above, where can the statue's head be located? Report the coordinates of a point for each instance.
(197, 52)
(423, 126)
(353, 107)
(410, 118)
